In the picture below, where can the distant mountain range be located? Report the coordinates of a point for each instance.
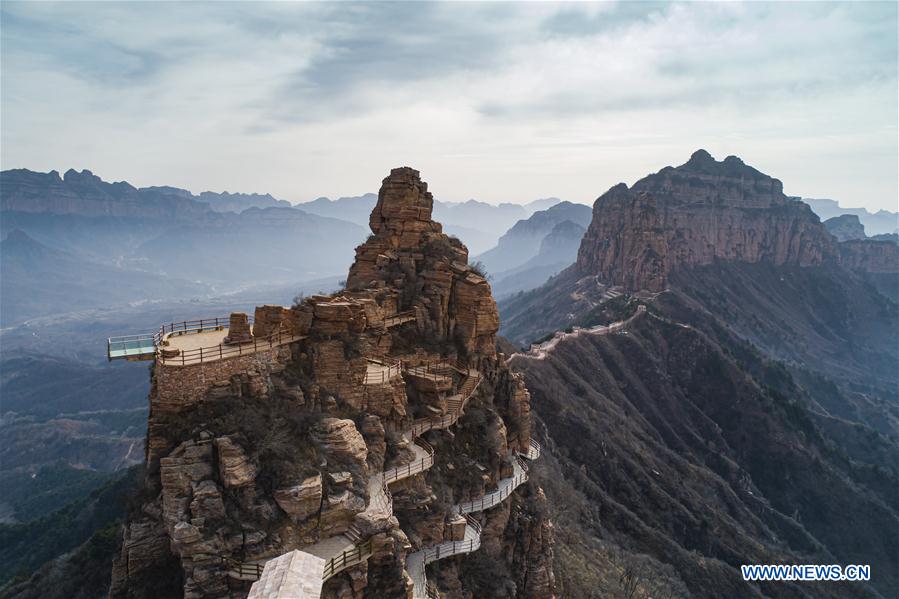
(875, 223)
(846, 227)
(536, 248)
(478, 224)
(124, 243)
(112, 242)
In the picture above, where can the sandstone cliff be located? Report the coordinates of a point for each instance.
(859, 252)
(291, 447)
(694, 214)
(728, 419)
(870, 255)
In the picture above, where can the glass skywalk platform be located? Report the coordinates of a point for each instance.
(132, 347)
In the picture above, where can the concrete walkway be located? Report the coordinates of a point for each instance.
(503, 489)
(539, 352)
(208, 346)
(416, 562)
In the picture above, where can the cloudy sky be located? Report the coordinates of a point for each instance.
(500, 102)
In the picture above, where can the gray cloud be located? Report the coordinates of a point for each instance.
(502, 101)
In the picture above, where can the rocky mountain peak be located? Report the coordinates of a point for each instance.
(285, 448)
(693, 214)
(404, 208)
(702, 179)
(700, 157)
(85, 176)
(845, 227)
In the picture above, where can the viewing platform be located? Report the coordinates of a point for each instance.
(195, 341)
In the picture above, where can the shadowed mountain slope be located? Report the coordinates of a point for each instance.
(700, 456)
(749, 417)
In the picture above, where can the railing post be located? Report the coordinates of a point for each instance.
(201, 355)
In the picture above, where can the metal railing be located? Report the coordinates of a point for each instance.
(385, 505)
(221, 351)
(350, 557)
(392, 369)
(448, 548)
(440, 367)
(420, 465)
(338, 563)
(423, 425)
(386, 490)
(506, 487)
(533, 452)
(243, 570)
(185, 327)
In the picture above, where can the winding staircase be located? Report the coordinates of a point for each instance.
(301, 574)
(416, 562)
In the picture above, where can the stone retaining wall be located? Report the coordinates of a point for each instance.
(180, 386)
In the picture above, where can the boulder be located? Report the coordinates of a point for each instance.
(301, 500)
(338, 513)
(455, 528)
(235, 468)
(238, 329)
(340, 441)
(207, 501)
(267, 320)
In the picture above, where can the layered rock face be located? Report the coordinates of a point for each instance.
(409, 252)
(280, 450)
(694, 214)
(870, 255)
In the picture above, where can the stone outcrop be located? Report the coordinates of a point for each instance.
(694, 214)
(235, 468)
(238, 328)
(845, 227)
(859, 252)
(409, 253)
(403, 212)
(341, 442)
(268, 320)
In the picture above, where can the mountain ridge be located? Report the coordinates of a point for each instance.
(762, 377)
